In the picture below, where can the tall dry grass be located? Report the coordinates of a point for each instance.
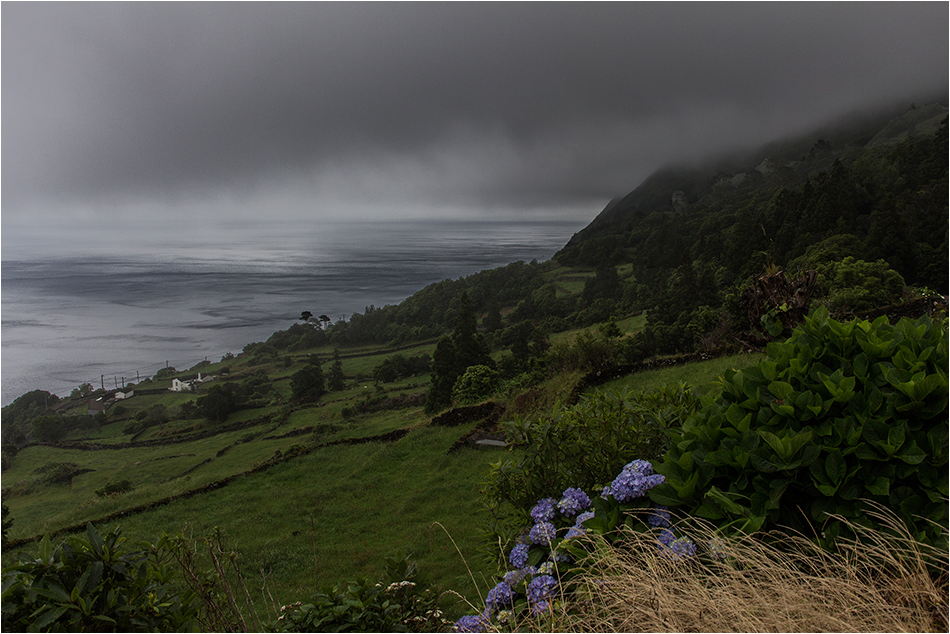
(883, 581)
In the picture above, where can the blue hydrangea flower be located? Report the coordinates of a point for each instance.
(573, 502)
(500, 596)
(634, 481)
(542, 533)
(666, 537)
(659, 517)
(519, 555)
(546, 568)
(673, 548)
(683, 548)
(561, 557)
(512, 578)
(541, 589)
(539, 607)
(543, 511)
(471, 623)
(579, 529)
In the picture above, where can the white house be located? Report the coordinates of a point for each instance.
(190, 385)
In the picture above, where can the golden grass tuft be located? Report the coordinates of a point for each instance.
(879, 582)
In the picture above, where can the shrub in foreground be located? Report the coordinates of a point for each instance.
(838, 414)
(97, 583)
(400, 602)
(582, 446)
(545, 559)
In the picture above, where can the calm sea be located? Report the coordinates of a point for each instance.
(122, 314)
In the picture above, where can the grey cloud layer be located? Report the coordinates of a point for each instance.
(489, 101)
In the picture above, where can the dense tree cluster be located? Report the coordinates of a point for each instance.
(398, 367)
(871, 223)
(454, 354)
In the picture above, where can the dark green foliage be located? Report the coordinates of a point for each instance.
(82, 391)
(400, 602)
(49, 428)
(143, 420)
(307, 384)
(605, 284)
(884, 202)
(838, 414)
(59, 472)
(95, 584)
(399, 367)
(454, 354)
(7, 523)
(583, 446)
(478, 383)
(492, 320)
(856, 285)
(336, 380)
(298, 337)
(165, 373)
(221, 400)
(188, 410)
(17, 416)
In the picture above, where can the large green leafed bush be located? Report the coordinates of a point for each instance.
(840, 413)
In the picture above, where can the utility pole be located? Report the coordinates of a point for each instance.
(102, 381)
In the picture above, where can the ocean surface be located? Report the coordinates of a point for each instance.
(111, 314)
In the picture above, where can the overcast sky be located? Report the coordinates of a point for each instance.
(310, 110)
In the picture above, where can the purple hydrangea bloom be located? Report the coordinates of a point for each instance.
(512, 578)
(519, 555)
(500, 596)
(683, 548)
(542, 533)
(634, 481)
(561, 558)
(539, 607)
(666, 537)
(541, 589)
(578, 529)
(471, 623)
(543, 511)
(573, 502)
(659, 517)
(673, 548)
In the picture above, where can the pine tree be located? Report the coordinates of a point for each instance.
(336, 380)
(454, 354)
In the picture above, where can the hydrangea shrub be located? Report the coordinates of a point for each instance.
(544, 560)
(579, 447)
(840, 413)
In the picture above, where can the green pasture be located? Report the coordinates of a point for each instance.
(702, 377)
(339, 511)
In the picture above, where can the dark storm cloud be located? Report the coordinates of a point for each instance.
(519, 102)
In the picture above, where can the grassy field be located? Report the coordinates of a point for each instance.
(316, 518)
(701, 376)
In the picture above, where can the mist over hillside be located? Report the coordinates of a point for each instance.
(789, 160)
